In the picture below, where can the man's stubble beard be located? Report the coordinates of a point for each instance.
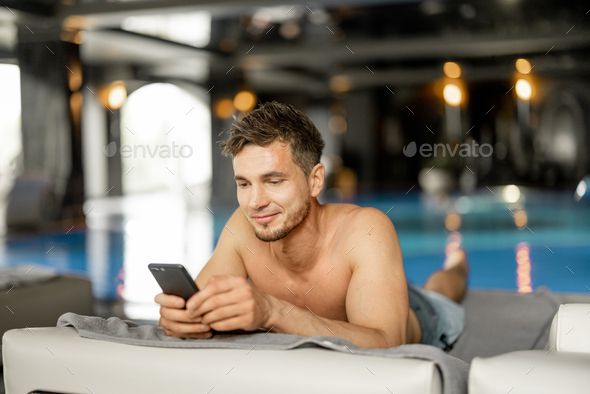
(297, 218)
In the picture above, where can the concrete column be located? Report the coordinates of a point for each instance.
(223, 186)
(359, 140)
(94, 141)
(51, 79)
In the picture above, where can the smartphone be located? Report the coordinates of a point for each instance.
(174, 279)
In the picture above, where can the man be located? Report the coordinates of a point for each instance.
(290, 265)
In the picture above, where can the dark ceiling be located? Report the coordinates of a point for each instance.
(400, 42)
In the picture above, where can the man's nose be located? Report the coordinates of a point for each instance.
(258, 197)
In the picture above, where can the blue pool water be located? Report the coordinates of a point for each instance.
(554, 247)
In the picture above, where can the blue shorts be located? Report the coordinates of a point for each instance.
(442, 319)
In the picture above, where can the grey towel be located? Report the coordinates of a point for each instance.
(454, 371)
(24, 274)
(509, 321)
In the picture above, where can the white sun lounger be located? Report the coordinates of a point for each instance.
(58, 360)
(563, 367)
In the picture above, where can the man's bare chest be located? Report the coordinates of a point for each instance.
(322, 290)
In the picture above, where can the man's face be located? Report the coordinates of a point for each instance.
(269, 182)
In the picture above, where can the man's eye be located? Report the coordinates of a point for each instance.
(272, 183)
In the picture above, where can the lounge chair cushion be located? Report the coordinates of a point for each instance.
(530, 372)
(570, 329)
(57, 359)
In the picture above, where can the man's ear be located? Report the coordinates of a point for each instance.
(317, 179)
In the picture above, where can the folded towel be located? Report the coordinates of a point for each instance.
(24, 275)
(454, 371)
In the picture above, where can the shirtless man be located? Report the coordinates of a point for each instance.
(288, 264)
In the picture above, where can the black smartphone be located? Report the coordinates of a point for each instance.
(174, 279)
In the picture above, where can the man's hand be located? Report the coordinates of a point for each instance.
(230, 302)
(176, 321)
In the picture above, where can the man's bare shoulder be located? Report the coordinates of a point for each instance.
(369, 213)
(344, 219)
(338, 215)
(356, 215)
(357, 221)
(239, 226)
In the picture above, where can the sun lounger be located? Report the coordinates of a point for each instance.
(562, 367)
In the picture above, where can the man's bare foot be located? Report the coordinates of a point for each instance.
(456, 259)
(451, 281)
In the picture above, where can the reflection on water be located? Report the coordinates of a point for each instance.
(523, 269)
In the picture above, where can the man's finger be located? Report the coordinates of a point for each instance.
(234, 323)
(169, 301)
(219, 285)
(222, 313)
(185, 328)
(203, 335)
(216, 301)
(179, 315)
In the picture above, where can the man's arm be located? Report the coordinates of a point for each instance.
(226, 258)
(377, 299)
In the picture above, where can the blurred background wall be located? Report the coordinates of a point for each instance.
(81, 77)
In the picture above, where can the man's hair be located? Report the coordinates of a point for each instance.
(272, 121)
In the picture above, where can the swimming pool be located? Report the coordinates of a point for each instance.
(553, 249)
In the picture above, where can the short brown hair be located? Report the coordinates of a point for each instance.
(271, 121)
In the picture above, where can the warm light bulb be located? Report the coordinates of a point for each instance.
(117, 96)
(340, 83)
(452, 70)
(524, 90)
(511, 193)
(245, 101)
(452, 94)
(224, 108)
(523, 66)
